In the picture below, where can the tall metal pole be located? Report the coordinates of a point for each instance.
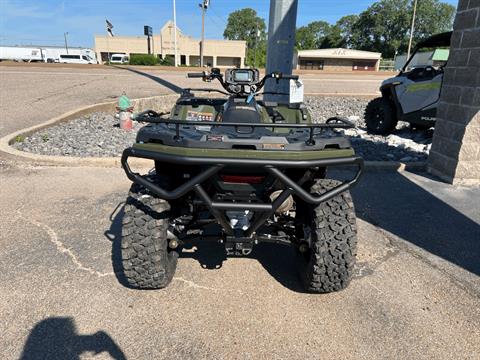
(203, 33)
(281, 42)
(175, 33)
(108, 48)
(412, 29)
(256, 44)
(65, 36)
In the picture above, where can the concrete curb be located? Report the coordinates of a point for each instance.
(112, 162)
(140, 104)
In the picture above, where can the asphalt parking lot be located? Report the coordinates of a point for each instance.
(416, 291)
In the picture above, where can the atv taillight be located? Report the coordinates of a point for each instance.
(242, 179)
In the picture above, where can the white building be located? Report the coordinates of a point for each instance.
(338, 59)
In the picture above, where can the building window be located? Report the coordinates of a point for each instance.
(307, 64)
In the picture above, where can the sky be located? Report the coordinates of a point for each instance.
(43, 22)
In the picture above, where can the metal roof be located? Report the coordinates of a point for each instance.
(442, 39)
(339, 53)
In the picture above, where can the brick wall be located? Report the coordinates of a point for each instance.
(455, 152)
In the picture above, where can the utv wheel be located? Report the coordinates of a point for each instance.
(380, 116)
(327, 265)
(146, 259)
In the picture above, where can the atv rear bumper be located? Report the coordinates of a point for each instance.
(213, 165)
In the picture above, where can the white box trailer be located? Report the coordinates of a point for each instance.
(43, 53)
(21, 53)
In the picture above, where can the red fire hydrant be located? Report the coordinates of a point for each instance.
(125, 110)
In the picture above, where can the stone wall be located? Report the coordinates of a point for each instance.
(455, 152)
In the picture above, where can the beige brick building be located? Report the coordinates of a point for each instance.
(221, 53)
(337, 60)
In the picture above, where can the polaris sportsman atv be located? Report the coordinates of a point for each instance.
(412, 96)
(239, 171)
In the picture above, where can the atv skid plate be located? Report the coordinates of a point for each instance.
(240, 241)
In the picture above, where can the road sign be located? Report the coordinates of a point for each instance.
(147, 30)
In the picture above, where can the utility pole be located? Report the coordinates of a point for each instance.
(412, 29)
(257, 35)
(175, 33)
(204, 6)
(281, 42)
(66, 44)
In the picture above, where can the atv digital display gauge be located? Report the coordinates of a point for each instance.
(242, 76)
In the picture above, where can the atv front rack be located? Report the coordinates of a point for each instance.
(212, 165)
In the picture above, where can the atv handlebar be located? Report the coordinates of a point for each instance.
(196, 75)
(228, 86)
(279, 76)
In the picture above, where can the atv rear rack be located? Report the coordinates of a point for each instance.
(331, 123)
(213, 165)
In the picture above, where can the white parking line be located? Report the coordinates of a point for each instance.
(342, 80)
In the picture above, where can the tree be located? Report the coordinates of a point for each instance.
(433, 17)
(322, 35)
(384, 27)
(244, 24)
(312, 36)
(345, 28)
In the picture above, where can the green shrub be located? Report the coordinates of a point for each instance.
(19, 138)
(168, 61)
(143, 59)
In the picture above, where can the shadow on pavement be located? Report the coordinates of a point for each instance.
(114, 234)
(398, 205)
(57, 338)
(157, 79)
(278, 260)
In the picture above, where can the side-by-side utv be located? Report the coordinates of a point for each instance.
(412, 96)
(240, 171)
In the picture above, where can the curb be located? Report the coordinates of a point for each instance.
(114, 162)
(6, 141)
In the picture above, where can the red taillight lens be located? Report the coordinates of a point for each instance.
(242, 179)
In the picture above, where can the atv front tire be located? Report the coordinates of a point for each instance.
(147, 261)
(380, 116)
(328, 264)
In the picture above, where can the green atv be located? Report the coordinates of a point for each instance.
(239, 171)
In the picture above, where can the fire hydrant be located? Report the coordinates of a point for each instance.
(125, 110)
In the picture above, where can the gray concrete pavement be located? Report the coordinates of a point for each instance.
(57, 257)
(32, 94)
(416, 292)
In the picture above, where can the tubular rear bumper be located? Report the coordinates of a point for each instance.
(213, 165)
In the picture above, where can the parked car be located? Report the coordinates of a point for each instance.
(76, 59)
(119, 59)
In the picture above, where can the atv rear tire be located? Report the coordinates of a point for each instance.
(147, 261)
(380, 116)
(328, 264)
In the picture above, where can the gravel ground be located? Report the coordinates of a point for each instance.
(98, 134)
